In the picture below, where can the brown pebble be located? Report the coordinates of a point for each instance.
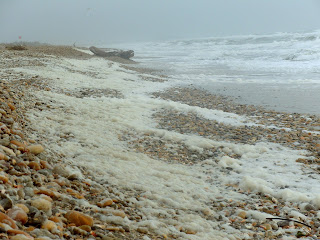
(142, 230)
(23, 207)
(4, 179)
(78, 218)
(86, 228)
(18, 214)
(8, 151)
(55, 219)
(35, 149)
(266, 226)
(30, 229)
(49, 225)
(42, 204)
(17, 232)
(7, 220)
(190, 231)
(45, 164)
(242, 214)
(3, 157)
(17, 143)
(115, 229)
(119, 214)
(11, 106)
(35, 166)
(105, 203)
(46, 192)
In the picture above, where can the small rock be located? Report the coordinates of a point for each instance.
(28, 191)
(42, 233)
(17, 143)
(190, 231)
(4, 179)
(6, 202)
(114, 229)
(266, 226)
(142, 230)
(23, 207)
(50, 226)
(119, 214)
(21, 237)
(35, 149)
(105, 203)
(45, 164)
(309, 207)
(37, 180)
(73, 176)
(34, 165)
(7, 220)
(3, 156)
(5, 140)
(42, 204)
(18, 215)
(60, 170)
(242, 214)
(21, 193)
(283, 224)
(109, 238)
(78, 218)
(77, 230)
(46, 192)
(37, 217)
(274, 225)
(8, 151)
(18, 234)
(86, 228)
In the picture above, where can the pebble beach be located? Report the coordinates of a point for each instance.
(96, 148)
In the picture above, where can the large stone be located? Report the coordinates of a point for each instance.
(79, 218)
(35, 149)
(42, 204)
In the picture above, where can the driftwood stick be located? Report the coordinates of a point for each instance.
(290, 220)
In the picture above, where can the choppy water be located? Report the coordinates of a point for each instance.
(280, 71)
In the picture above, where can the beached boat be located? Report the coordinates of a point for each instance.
(111, 52)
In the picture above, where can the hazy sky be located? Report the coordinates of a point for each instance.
(108, 21)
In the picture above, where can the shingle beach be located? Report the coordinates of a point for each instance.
(94, 148)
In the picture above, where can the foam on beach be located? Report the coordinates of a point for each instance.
(173, 198)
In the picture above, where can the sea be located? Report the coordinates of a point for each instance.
(279, 71)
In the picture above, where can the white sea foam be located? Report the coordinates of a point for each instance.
(168, 189)
(290, 58)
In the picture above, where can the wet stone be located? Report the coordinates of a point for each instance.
(28, 191)
(6, 202)
(309, 207)
(283, 224)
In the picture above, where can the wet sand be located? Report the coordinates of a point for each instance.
(281, 97)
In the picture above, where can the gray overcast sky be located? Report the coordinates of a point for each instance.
(109, 21)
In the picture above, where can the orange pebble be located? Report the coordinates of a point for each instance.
(17, 143)
(79, 218)
(11, 106)
(34, 166)
(7, 220)
(3, 157)
(16, 232)
(4, 179)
